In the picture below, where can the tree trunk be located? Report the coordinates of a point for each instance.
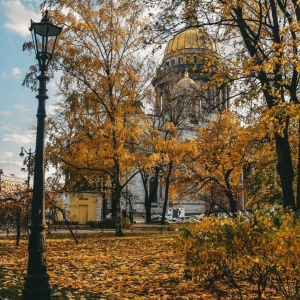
(148, 209)
(118, 217)
(149, 198)
(163, 215)
(166, 193)
(104, 202)
(232, 202)
(228, 192)
(147, 202)
(18, 224)
(152, 196)
(285, 169)
(298, 180)
(119, 231)
(113, 204)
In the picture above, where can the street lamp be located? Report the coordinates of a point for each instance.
(29, 153)
(36, 286)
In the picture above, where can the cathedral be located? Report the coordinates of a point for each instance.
(185, 96)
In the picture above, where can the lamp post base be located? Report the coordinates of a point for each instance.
(36, 285)
(36, 288)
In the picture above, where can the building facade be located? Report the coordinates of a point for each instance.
(10, 183)
(83, 207)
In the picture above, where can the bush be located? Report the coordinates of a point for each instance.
(262, 250)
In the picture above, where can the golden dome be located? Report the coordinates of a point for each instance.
(191, 38)
(186, 81)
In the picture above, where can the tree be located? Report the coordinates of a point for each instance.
(261, 180)
(150, 185)
(215, 160)
(15, 209)
(261, 39)
(96, 130)
(15, 212)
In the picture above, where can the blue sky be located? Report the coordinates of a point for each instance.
(18, 104)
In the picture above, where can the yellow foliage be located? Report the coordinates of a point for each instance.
(137, 266)
(99, 124)
(260, 249)
(215, 157)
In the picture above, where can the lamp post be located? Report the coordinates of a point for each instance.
(36, 286)
(29, 153)
(1, 173)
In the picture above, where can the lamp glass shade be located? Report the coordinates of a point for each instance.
(44, 36)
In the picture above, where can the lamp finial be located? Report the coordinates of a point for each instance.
(45, 17)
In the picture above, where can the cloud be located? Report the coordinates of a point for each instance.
(4, 113)
(21, 107)
(12, 167)
(9, 126)
(16, 72)
(18, 138)
(6, 154)
(18, 16)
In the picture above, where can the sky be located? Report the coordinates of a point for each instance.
(18, 104)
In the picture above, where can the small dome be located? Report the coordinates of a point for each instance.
(191, 38)
(186, 81)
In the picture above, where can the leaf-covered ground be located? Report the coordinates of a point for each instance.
(102, 266)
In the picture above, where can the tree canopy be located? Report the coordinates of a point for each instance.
(260, 40)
